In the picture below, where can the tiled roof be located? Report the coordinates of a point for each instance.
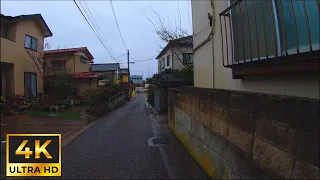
(124, 71)
(185, 41)
(104, 67)
(80, 49)
(87, 75)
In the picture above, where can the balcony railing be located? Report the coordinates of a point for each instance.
(259, 32)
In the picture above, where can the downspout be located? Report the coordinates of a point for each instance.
(213, 30)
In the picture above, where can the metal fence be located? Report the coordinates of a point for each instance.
(264, 31)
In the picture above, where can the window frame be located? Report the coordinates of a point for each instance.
(24, 80)
(55, 62)
(168, 60)
(6, 32)
(32, 38)
(83, 60)
(189, 58)
(162, 63)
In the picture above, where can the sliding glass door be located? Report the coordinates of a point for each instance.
(30, 84)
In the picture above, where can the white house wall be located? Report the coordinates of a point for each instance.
(205, 73)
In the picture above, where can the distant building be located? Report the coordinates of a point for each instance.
(77, 61)
(176, 51)
(124, 75)
(110, 71)
(136, 79)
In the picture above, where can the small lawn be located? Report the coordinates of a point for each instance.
(55, 114)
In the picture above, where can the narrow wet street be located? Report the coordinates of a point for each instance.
(116, 147)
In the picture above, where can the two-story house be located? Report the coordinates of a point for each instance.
(77, 61)
(20, 34)
(175, 54)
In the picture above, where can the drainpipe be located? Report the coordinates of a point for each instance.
(213, 26)
(212, 21)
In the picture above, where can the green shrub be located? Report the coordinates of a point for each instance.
(100, 96)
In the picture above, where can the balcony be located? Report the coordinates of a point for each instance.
(259, 36)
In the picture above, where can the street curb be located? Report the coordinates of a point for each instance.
(66, 140)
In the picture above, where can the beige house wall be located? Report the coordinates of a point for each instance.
(72, 61)
(82, 85)
(175, 59)
(178, 57)
(14, 52)
(80, 67)
(164, 56)
(209, 73)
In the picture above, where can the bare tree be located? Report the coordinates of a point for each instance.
(48, 74)
(174, 35)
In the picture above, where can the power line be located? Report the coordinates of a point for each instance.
(115, 18)
(103, 22)
(95, 22)
(147, 59)
(93, 29)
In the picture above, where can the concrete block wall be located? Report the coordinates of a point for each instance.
(235, 134)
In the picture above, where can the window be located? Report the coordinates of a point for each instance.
(261, 29)
(168, 60)
(30, 84)
(4, 32)
(83, 60)
(162, 62)
(58, 65)
(187, 57)
(31, 43)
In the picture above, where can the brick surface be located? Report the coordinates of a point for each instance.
(207, 120)
(276, 133)
(304, 170)
(308, 147)
(220, 113)
(220, 97)
(310, 116)
(242, 120)
(242, 140)
(243, 101)
(276, 107)
(218, 127)
(272, 158)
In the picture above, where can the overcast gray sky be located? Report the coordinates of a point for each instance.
(70, 29)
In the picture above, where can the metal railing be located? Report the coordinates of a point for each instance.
(267, 31)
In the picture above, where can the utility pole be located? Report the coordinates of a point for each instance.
(129, 83)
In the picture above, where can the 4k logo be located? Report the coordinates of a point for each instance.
(33, 154)
(38, 149)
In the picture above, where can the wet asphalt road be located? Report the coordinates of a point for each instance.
(115, 147)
